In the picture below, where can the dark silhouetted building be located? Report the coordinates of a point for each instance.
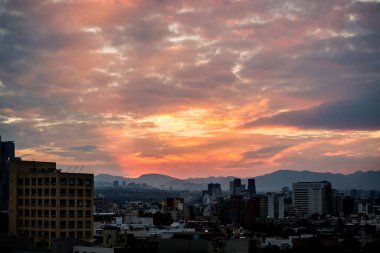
(251, 186)
(214, 190)
(235, 188)
(7, 153)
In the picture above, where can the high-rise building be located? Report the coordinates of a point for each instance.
(313, 197)
(251, 186)
(48, 204)
(276, 205)
(235, 187)
(7, 153)
(214, 190)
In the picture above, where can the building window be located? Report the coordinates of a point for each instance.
(88, 192)
(63, 214)
(63, 192)
(71, 192)
(88, 182)
(20, 181)
(53, 213)
(62, 224)
(39, 181)
(79, 181)
(80, 192)
(71, 181)
(53, 192)
(46, 181)
(53, 181)
(63, 181)
(53, 202)
(62, 202)
(27, 181)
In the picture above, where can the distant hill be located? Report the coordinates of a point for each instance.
(270, 182)
(156, 180)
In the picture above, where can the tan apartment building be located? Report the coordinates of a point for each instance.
(47, 203)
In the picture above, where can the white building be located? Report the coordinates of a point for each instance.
(276, 206)
(313, 197)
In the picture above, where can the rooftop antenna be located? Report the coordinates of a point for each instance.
(80, 170)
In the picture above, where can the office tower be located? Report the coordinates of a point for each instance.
(116, 184)
(48, 204)
(313, 197)
(237, 186)
(7, 153)
(276, 205)
(251, 186)
(214, 190)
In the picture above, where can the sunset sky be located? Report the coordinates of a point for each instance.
(192, 88)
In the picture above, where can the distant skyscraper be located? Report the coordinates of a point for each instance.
(7, 153)
(116, 184)
(313, 197)
(251, 186)
(237, 186)
(276, 206)
(214, 190)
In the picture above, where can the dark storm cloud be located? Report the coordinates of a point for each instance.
(352, 114)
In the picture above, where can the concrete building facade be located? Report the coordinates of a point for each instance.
(49, 204)
(313, 197)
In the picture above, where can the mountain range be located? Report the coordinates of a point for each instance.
(369, 180)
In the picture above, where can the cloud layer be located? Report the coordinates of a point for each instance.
(192, 88)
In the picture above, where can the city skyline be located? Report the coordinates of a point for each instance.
(192, 89)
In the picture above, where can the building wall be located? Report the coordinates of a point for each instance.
(49, 204)
(313, 197)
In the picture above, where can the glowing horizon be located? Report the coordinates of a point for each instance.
(192, 89)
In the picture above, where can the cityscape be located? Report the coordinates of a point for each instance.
(44, 209)
(210, 126)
